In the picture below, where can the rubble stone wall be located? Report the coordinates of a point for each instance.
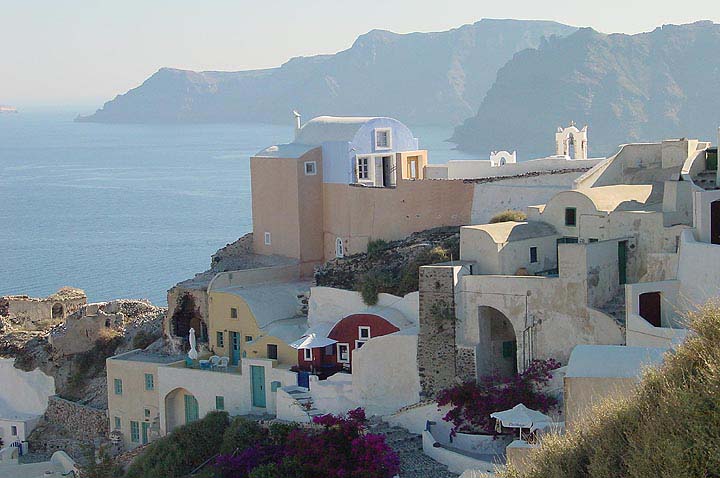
(79, 421)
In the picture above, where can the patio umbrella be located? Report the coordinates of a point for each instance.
(520, 417)
(312, 341)
(193, 354)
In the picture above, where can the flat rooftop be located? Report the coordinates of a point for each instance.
(149, 357)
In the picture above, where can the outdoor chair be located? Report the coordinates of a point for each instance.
(214, 361)
(223, 363)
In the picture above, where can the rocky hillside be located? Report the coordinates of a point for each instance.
(420, 78)
(644, 87)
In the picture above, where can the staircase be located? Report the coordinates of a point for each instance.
(413, 462)
(304, 400)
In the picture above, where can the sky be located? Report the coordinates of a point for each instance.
(73, 52)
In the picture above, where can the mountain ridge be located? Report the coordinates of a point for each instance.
(420, 78)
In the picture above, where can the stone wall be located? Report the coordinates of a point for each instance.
(79, 421)
(241, 247)
(436, 340)
(465, 363)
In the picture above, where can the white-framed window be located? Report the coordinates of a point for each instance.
(339, 248)
(363, 168)
(359, 343)
(310, 168)
(363, 332)
(343, 353)
(268, 239)
(383, 138)
(13, 430)
(307, 355)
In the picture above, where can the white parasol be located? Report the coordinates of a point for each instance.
(193, 354)
(312, 341)
(520, 417)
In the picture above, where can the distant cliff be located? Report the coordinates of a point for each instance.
(420, 78)
(627, 88)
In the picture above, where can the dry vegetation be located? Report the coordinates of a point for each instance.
(509, 215)
(669, 428)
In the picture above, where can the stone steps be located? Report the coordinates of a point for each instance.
(408, 446)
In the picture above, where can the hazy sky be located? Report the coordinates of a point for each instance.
(75, 52)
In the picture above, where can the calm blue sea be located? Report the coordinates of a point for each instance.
(127, 211)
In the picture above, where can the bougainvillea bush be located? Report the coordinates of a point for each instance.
(473, 402)
(339, 447)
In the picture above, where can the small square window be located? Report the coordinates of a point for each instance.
(219, 403)
(310, 168)
(118, 423)
(13, 430)
(272, 351)
(147, 413)
(359, 344)
(307, 355)
(383, 138)
(248, 338)
(570, 216)
(233, 313)
(118, 386)
(268, 239)
(220, 340)
(533, 255)
(149, 381)
(364, 332)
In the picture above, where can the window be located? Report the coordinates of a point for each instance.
(533, 255)
(570, 216)
(220, 339)
(149, 381)
(248, 338)
(383, 138)
(272, 351)
(117, 423)
(359, 344)
(364, 332)
(275, 385)
(591, 240)
(147, 413)
(233, 312)
(339, 248)
(219, 403)
(267, 239)
(307, 355)
(134, 432)
(118, 386)
(310, 168)
(13, 430)
(363, 168)
(343, 353)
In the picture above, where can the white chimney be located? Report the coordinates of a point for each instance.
(297, 123)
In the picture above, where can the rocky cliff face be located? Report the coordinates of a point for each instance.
(420, 78)
(627, 88)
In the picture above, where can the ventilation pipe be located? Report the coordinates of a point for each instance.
(297, 123)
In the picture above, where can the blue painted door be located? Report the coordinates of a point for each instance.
(235, 348)
(257, 376)
(145, 429)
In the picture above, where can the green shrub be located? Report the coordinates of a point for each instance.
(187, 447)
(668, 428)
(241, 434)
(371, 284)
(509, 215)
(374, 248)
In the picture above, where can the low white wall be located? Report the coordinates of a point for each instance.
(22, 392)
(640, 333)
(455, 462)
(288, 408)
(259, 275)
(415, 419)
(473, 168)
(698, 270)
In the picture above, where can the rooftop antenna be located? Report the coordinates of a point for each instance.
(297, 123)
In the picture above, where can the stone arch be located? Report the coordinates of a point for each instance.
(187, 316)
(58, 311)
(496, 350)
(181, 407)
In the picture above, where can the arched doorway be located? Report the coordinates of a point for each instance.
(497, 345)
(187, 316)
(181, 408)
(57, 311)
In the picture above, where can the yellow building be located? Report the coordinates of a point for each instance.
(257, 321)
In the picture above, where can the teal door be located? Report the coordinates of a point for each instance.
(622, 261)
(235, 348)
(191, 409)
(257, 376)
(145, 429)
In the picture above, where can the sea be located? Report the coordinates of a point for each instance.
(127, 210)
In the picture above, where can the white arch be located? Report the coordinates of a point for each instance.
(571, 136)
(501, 158)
